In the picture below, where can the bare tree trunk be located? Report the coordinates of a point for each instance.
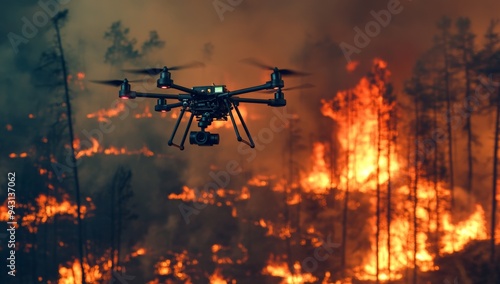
(468, 125)
(119, 231)
(112, 225)
(377, 210)
(495, 181)
(435, 182)
(287, 191)
(415, 187)
(448, 124)
(346, 197)
(81, 241)
(389, 189)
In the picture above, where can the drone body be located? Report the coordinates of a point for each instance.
(207, 103)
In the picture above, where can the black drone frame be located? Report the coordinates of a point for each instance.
(228, 98)
(205, 103)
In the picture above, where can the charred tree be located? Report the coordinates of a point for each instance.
(292, 217)
(377, 210)
(443, 44)
(415, 88)
(489, 64)
(463, 42)
(346, 197)
(495, 179)
(391, 138)
(57, 20)
(121, 212)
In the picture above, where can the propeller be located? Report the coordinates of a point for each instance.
(303, 86)
(283, 72)
(156, 71)
(115, 83)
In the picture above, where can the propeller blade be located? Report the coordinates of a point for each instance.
(255, 62)
(193, 64)
(283, 72)
(148, 71)
(156, 71)
(115, 83)
(289, 72)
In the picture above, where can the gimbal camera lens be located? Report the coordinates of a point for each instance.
(203, 138)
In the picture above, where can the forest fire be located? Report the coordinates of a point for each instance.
(44, 210)
(104, 114)
(360, 114)
(318, 181)
(20, 155)
(217, 277)
(176, 266)
(96, 148)
(362, 179)
(72, 274)
(280, 269)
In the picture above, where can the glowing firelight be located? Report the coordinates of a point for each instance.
(217, 277)
(318, 180)
(20, 155)
(140, 251)
(280, 269)
(176, 266)
(359, 113)
(351, 66)
(96, 148)
(104, 114)
(73, 273)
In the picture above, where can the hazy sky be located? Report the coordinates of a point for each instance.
(295, 34)
(288, 34)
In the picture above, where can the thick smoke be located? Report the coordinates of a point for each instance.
(288, 34)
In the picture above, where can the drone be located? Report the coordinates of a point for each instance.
(208, 103)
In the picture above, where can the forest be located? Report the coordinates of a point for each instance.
(400, 186)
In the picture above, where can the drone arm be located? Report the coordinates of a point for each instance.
(157, 96)
(266, 86)
(253, 101)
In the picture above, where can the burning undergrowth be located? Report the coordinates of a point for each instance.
(313, 223)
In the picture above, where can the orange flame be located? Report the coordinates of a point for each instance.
(73, 273)
(217, 277)
(280, 269)
(97, 149)
(359, 113)
(104, 114)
